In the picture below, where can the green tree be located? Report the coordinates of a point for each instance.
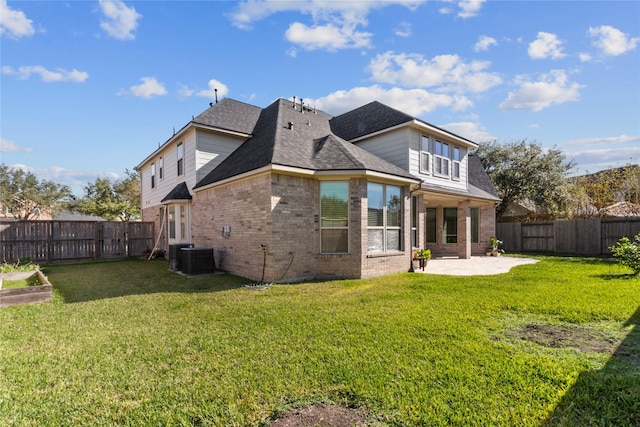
(24, 195)
(593, 193)
(113, 200)
(524, 172)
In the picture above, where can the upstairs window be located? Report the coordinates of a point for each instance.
(153, 175)
(455, 170)
(441, 158)
(334, 217)
(161, 167)
(384, 218)
(180, 156)
(425, 155)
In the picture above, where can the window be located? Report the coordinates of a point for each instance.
(450, 228)
(153, 175)
(172, 222)
(414, 221)
(431, 226)
(425, 155)
(475, 225)
(441, 160)
(161, 167)
(455, 171)
(384, 218)
(180, 156)
(334, 217)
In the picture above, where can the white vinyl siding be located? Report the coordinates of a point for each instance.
(212, 148)
(418, 156)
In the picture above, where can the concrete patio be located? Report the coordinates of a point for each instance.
(475, 266)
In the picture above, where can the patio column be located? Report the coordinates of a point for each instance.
(464, 229)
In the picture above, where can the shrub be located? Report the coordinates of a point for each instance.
(628, 252)
(23, 264)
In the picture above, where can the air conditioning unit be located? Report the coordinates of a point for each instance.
(197, 261)
(175, 256)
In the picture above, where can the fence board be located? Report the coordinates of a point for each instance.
(50, 241)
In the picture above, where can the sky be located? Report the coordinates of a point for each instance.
(91, 88)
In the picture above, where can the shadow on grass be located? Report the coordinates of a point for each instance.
(609, 396)
(112, 279)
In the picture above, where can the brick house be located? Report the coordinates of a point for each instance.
(344, 196)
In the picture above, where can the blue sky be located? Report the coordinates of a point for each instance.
(90, 88)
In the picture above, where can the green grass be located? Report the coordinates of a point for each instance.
(130, 343)
(21, 283)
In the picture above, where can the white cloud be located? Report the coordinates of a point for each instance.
(329, 37)
(148, 88)
(213, 84)
(446, 72)
(484, 42)
(8, 146)
(611, 41)
(412, 101)
(14, 23)
(621, 139)
(551, 89)
(335, 25)
(120, 20)
(469, 8)
(403, 30)
(47, 76)
(593, 160)
(470, 130)
(584, 57)
(545, 46)
(75, 179)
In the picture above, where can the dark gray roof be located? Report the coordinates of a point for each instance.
(478, 176)
(179, 192)
(230, 114)
(307, 143)
(367, 119)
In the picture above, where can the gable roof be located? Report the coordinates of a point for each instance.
(286, 135)
(230, 115)
(179, 192)
(375, 117)
(370, 118)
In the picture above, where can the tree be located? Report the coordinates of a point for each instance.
(24, 195)
(524, 172)
(593, 193)
(113, 200)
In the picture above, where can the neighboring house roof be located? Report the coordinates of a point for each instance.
(286, 136)
(179, 192)
(75, 216)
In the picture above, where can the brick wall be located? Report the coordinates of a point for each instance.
(153, 214)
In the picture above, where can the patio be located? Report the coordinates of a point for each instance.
(475, 266)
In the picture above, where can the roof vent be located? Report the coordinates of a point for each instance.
(290, 125)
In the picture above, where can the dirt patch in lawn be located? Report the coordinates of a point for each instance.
(565, 336)
(321, 415)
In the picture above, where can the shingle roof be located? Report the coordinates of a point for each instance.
(478, 177)
(285, 136)
(369, 118)
(179, 192)
(230, 114)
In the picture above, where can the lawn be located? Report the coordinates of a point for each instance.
(131, 343)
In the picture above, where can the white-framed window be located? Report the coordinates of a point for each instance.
(153, 175)
(450, 225)
(178, 223)
(384, 218)
(180, 157)
(455, 169)
(334, 217)
(161, 167)
(425, 155)
(441, 159)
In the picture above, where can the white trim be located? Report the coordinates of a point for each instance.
(422, 125)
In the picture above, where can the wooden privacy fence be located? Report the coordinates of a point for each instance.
(51, 241)
(591, 236)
